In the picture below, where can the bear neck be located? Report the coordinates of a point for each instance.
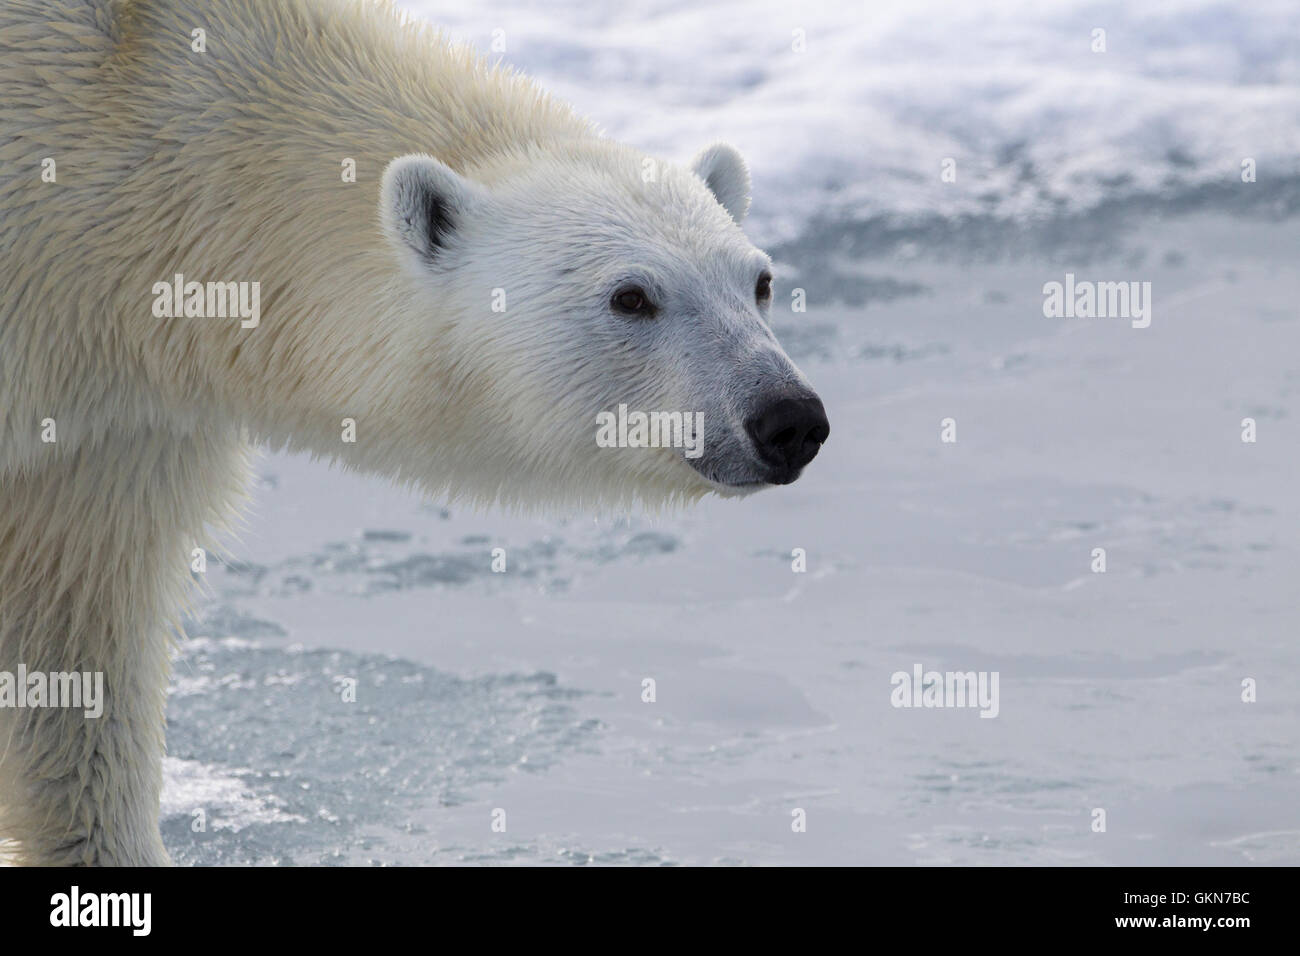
(247, 143)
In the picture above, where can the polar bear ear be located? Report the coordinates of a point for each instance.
(724, 171)
(422, 203)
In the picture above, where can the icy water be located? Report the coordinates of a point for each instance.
(482, 696)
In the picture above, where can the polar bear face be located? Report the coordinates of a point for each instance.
(608, 319)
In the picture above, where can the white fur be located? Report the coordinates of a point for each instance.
(225, 166)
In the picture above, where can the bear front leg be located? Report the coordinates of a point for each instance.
(94, 570)
(84, 791)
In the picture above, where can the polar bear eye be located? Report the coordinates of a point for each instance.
(632, 300)
(763, 291)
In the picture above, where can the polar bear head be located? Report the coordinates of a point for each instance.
(603, 325)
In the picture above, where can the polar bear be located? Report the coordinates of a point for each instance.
(454, 316)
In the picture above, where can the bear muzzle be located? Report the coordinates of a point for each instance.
(787, 434)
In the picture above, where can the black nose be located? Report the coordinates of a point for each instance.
(789, 432)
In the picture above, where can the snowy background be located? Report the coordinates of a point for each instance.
(1121, 691)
